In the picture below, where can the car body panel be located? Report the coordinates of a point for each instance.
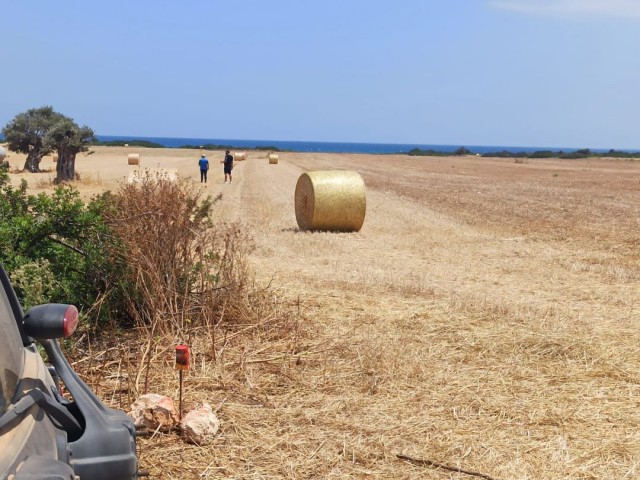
(34, 433)
(42, 435)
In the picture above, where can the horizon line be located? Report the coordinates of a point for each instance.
(453, 145)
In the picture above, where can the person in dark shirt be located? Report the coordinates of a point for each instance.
(204, 168)
(228, 166)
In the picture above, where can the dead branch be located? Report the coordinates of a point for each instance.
(431, 463)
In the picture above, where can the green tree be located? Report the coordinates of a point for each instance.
(462, 151)
(40, 131)
(26, 134)
(68, 139)
(52, 245)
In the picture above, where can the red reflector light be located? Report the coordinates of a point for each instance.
(70, 321)
(182, 357)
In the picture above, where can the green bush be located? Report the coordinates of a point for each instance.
(417, 152)
(544, 154)
(35, 281)
(57, 233)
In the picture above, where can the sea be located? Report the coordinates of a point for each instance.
(336, 147)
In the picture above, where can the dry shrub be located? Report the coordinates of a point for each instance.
(183, 278)
(180, 269)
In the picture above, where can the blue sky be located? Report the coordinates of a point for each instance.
(555, 73)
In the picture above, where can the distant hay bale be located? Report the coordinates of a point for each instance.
(54, 157)
(273, 159)
(133, 159)
(141, 175)
(333, 200)
(239, 156)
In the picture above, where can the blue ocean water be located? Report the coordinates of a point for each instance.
(330, 147)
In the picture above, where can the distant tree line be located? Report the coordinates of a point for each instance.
(207, 146)
(127, 143)
(438, 153)
(211, 146)
(581, 153)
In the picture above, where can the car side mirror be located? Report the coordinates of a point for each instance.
(51, 320)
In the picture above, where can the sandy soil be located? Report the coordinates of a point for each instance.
(489, 312)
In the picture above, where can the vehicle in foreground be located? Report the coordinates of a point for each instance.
(43, 433)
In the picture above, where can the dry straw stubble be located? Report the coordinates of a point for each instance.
(515, 359)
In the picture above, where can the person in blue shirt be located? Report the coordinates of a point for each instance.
(204, 168)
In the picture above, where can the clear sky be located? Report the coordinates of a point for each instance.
(554, 73)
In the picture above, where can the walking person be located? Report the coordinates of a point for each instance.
(228, 166)
(204, 168)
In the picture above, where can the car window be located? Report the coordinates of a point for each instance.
(11, 352)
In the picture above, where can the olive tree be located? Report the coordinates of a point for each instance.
(41, 131)
(26, 134)
(68, 139)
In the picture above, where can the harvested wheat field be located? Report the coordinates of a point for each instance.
(486, 319)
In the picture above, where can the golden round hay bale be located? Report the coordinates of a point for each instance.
(333, 200)
(133, 159)
(273, 158)
(239, 156)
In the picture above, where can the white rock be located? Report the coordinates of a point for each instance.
(152, 411)
(200, 426)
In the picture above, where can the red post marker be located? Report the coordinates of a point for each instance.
(182, 364)
(182, 357)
